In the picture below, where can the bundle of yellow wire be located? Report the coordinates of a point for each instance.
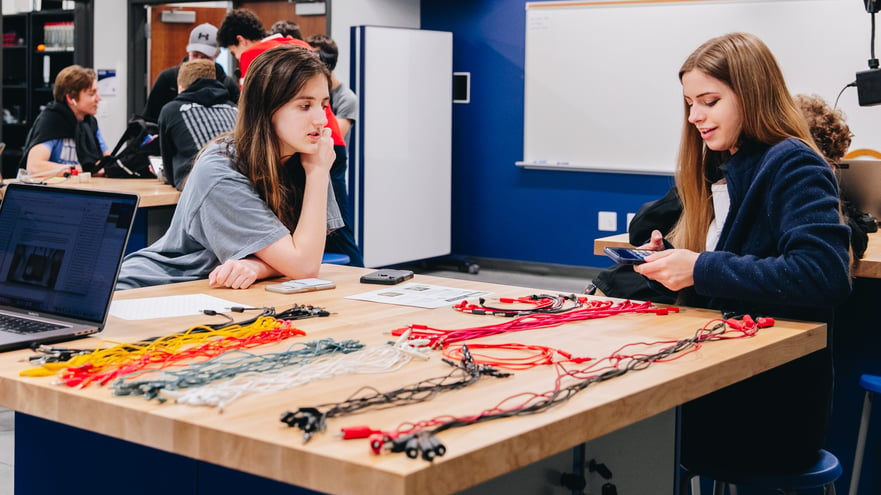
(200, 342)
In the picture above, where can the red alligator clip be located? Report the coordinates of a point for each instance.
(356, 432)
(765, 322)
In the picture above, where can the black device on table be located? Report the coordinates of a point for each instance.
(386, 276)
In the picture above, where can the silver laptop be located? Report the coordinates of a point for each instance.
(60, 252)
(860, 182)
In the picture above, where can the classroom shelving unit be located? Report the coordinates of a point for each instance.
(36, 46)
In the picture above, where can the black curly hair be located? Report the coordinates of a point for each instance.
(240, 22)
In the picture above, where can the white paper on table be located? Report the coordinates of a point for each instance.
(168, 306)
(420, 295)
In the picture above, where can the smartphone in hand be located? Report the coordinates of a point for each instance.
(627, 256)
(387, 276)
(301, 285)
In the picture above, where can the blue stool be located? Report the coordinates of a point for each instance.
(821, 475)
(872, 385)
(335, 259)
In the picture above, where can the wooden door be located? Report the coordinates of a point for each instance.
(269, 12)
(168, 41)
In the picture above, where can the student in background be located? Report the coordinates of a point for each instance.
(256, 203)
(242, 33)
(201, 111)
(760, 234)
(344, 104)
(833, 137)
(65, 134)
(342, 99)
(286, 28)
(828, 127)
(202, 45)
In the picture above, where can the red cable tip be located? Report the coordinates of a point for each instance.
(356, 432)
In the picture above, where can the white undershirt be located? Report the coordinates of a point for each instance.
(721, 205)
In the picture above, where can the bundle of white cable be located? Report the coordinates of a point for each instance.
(383, 359)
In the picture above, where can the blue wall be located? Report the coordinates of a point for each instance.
(500, 210)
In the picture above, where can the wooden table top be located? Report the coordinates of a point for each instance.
(868, 267)
(615, 241)
(151, 191)
(248, 435)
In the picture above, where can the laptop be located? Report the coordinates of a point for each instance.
(860, 183)
(60, 253)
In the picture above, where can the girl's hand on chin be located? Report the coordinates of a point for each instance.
(323, 158)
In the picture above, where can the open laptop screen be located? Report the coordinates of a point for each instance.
(60, 249)
(860, 183)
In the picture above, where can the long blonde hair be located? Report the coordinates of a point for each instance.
(768, 113)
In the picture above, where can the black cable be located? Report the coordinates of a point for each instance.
(558, 305)
(464, 373)
(242, 309)
(425, 441)
(560, 396)
(211, 312)
(50, 354)
(296, 312)
(842, 92)
(302, 311)
(873, 62)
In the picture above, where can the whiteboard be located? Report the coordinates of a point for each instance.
(402, 160)
(602, 91)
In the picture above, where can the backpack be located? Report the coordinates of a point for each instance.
(131, 155)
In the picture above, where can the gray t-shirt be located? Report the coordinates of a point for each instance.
(219, 217)
(344, 103)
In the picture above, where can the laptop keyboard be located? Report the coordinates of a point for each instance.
(15, 324)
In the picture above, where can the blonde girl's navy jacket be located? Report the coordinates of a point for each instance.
(783, 252)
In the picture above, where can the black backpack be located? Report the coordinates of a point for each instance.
(131, 155)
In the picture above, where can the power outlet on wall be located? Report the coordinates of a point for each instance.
(607, 221)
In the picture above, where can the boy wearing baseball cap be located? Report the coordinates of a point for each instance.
(202, 45)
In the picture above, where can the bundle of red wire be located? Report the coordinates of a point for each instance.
(590, 309)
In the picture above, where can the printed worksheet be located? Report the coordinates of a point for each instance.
(169, 306)
(419, 295)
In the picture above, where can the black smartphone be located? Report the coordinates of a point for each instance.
(627, 256)
(387, 276)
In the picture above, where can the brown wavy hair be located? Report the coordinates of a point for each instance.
(828, 126)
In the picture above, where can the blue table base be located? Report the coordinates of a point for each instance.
(54, 458)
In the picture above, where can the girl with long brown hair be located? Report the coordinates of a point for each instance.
(257, 203)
